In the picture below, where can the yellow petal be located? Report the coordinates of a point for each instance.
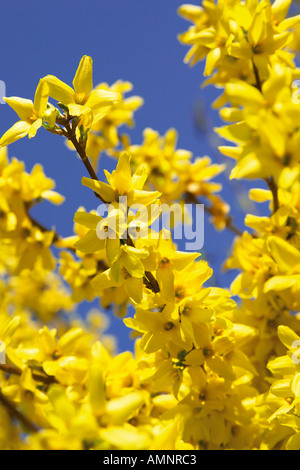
(53, 197)
(90, 243)
(211, 60)
(165, 278)
(103, 281)
(112, 249)
(280, 9)
(22, 106)
(281, 388)
(133, 265)
(76, 109)
(134, 288)
(59, 90)
(190, 12)
(104, 190)
(125, 437)
(278, 283)
(87, 220)
(257, 28)
(281, 366)
(287, 336)
(41, 97)
(3, 158)
(100, 102)
(294, 442)
(181, 260)
(242, 93)
(121, 409)
(16, 132)
(67, 342)
(286, 255)
(260, 195)
(96, 387)
(83, 80)
(295, 385)
(166, 247)
(34, 128)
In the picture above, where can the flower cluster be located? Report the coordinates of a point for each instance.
(209, 368)
(176, 175)
(24, 242)
(249, 49)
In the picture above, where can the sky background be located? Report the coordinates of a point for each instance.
(134, 40)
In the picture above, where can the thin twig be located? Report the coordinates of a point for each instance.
(69, 132)
(56, 237)
(71, 135)
(257, 77)
(45, 379)
(189, 197)
(149, 280)
(15, 413)
(43, 229)
(274, 190)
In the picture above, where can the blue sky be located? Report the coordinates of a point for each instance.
(133, 40)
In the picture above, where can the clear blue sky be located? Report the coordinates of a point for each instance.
(133, 40)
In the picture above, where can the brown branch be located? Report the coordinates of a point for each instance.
(15, 413)
(43, 229)
(149, 280)
(56, 238)
(70, 134)
(45, 379)
(69, 131)
(232, 227)
(189, 197)
(274, 190)
(257, 77)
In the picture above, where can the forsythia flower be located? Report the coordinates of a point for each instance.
(30, 113)
(172, 172)
(260, 151)
(247, 31)
(104, 134)
(83, 101)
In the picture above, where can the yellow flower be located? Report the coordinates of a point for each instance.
(122, 183)
(168, 261)
(30, 113)
(126, 269)
(82, 99)
(261, 152)
(241, 31)
(104, 133)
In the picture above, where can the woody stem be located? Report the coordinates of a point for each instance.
(274, 190)
(71, 135)
(46, 379)
(15, 413)
(189, 197)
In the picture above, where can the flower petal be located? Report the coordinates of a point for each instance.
(90, 243)
(17, 131)
(59, 90)
(83, 80)
(34, 128)
(41, 97)
(22, 106)
(104, 190)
